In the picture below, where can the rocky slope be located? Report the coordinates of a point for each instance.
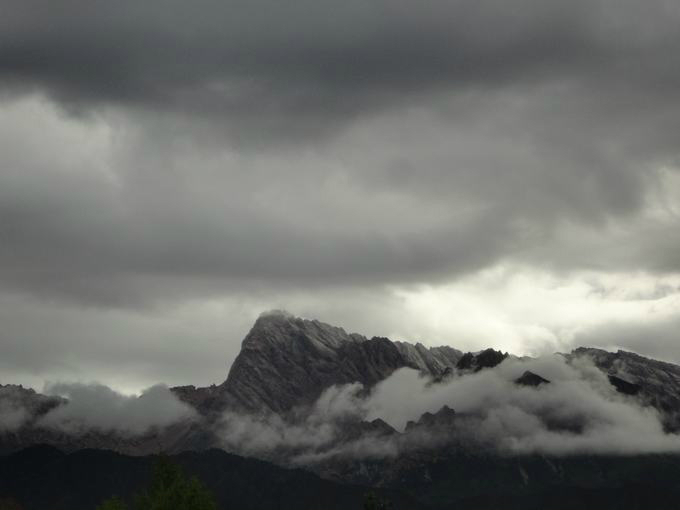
(655, 383)
(19, 405)
(286, 362)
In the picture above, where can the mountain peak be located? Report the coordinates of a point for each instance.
(529, 378)
(282, 329)
(272, 319)
(287, 361)
(487, 358)
(274, 316)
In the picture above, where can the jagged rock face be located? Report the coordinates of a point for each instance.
(357, 430)
(195, 397)
(528, 378)
(623, 386)
(655, 383)
(443, 419)
(487, 358)
(433, 360)
(32, 404)
(287, 362)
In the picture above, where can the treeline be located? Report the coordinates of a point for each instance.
(171, 489)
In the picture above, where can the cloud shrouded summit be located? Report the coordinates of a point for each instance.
(170, 169)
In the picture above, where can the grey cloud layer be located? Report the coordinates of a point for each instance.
(462, 133)
(321, 58)
(407, 196)
(163, 153)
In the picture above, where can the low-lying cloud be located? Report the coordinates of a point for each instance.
(314, 429)
(578, 412)
(98, 407)
(11, 416)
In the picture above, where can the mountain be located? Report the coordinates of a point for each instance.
(528, 378)
(176, 437)
(22, 408)
(474, 362)
(287, 361)
(654, 383)
(21, 425)
(266, 408)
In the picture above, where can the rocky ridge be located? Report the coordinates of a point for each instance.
(655, 383)
(286, 363)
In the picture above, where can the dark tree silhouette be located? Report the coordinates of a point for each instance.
(373, 502)
(169, 489)
(10, 504)
(113, 503)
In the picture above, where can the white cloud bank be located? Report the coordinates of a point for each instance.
(578, 412)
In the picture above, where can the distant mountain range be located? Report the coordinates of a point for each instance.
(301, 393)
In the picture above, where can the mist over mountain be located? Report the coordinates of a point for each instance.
(304, 393)
(378, 413)
(287, 362)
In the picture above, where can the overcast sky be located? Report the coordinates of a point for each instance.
(465, 172)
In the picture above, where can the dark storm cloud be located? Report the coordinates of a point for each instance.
(75, 227)
(159, 153)
(152, 209)
(258, 61)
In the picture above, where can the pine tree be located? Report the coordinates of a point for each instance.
(373, 502)
(169, 489)
(113, 503)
